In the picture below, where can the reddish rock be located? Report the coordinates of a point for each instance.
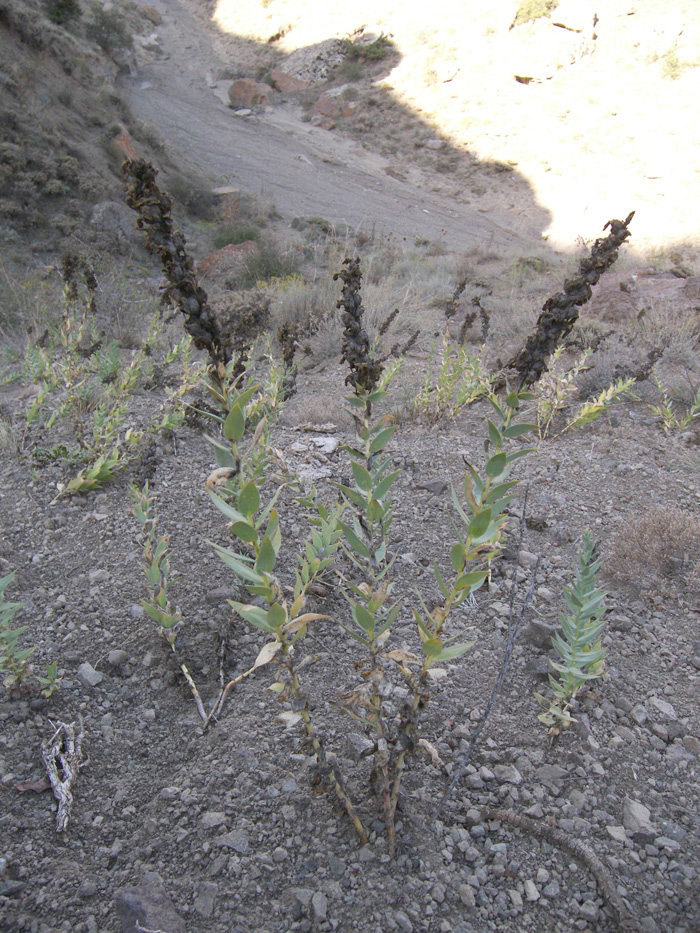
(245, 93)
(333, 105)
(125, 143)
(286, 82)
(149, 13)
(226, 259)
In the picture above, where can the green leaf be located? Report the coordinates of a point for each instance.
(234, 426)
(497, 464)
(454, 651)
(362, 476)
(242, 398)
(495, 435)
(513, 401)
(249, 499)
(354, 401)
(517, 430)
(363, 618)
(432, 648)
(232, 514)
(245, 532)
(381, 440)
(266, 557)
(457, 555)
(276, 615)
(354, 496)
(239, 564)
(440, 582)
(375, 510)
(384, 485)
(164, 619)
(358, 546)
(471, 581)
(517, 454)
(478, 525)
(255, 615)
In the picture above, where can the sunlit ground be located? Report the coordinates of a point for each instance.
(606, 125)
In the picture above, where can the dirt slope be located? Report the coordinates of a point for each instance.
(304, 170)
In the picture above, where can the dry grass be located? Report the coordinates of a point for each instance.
(664, 544)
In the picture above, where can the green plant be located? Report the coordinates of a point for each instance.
(578, 644)
(555, 388)
(108, 29)
(375, 51)
(98, 474)
(531, 10)
(14, 661)
(62, 11)
(671, 409)
(367, 587)
(159, 608)
(591, 410)
(50, 681)
(459, 381)
(234, 234)
(267, 264)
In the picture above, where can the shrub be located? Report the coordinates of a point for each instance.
(664, 543)
(264, 265)
(108, 29)
(233, 234)
(62, 11)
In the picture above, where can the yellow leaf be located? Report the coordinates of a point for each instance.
(219, 476)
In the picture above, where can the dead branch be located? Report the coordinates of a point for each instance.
(560, 312)
(579, 850)
(62, 757)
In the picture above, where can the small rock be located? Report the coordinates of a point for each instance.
(117, 657)
(356, 744)
(636, 818)
(589, 910)
(466, 896)
(98, 576)
(515, 898)
(692, 745)
(87, 888)
(213, 818)
(639, 714)
(304, 895)
(618, 833)
(507, 774)
(531, 892)
(337, 867)
(402, 920)
(319, 905)
(148, 907)
(88, 675)
(552, 889)
(540, 634)
(280, 854)
(238, 840)
(204, 902)
(220, 593)
(664, 708)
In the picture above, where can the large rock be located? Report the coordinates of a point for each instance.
(148, 907)
(245, 93)
(308, 66)
(334, 104)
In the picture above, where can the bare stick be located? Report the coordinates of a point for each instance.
(513, 629)
(602, 874)
(63, 759)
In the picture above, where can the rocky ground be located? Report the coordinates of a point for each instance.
(230, 821)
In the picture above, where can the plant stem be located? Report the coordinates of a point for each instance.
(328, 771)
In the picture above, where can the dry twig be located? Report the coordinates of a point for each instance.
(602, 874)
(62, 757)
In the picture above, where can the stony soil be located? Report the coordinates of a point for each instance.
(230, 821)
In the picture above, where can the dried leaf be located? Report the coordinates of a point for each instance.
(267, 653)
(432, 751)
(37, 786)
(219, 476)
(289, 719)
